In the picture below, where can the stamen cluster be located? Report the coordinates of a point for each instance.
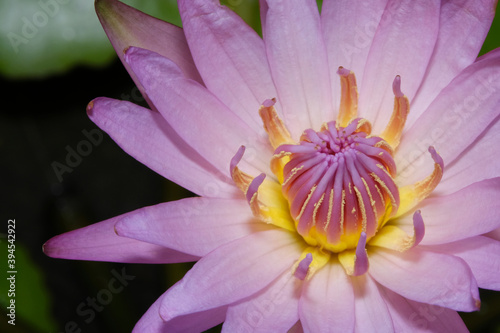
(339, 183)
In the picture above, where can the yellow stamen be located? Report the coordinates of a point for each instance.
(394, 129)
(348, 97)
(320, 259)
(411, 195)
(274, 126)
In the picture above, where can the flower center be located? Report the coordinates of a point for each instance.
(338, 182)
(335, 187)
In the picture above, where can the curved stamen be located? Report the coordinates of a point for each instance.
(274, 126)
(303, 267)
(394, 129)
(418, 228)
(348, 97)
(415, 193)
(361, 263)
(397, 237)
(241, 179)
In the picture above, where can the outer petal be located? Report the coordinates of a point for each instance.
(475, 164)
(297, 56)
(372, 314)
(194, 225)
(196, 115)
(463, 26)
(126, 26)
(328, 301)
(426, 277)
(462, 111)
(469, 212)
(146, 136)
(410, 316)
(409, 29)
(274, 309)
(151, 321)
(348, 30)
(99, 242)
(482, 254)
(230, 56)
(232, 272)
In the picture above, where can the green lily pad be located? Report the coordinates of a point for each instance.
(44, 37)
(24, 294)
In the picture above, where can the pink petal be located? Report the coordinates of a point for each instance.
(426, 277)
(99, 242)
(482, 254)
(475, 164)
(230, 56)
(299, 65)
(126, 26)
(461, 112)
(409, 29)
(196, 115)
(410, 316)
(371, 312)
(194, 225)
(348, 30)
(328, 301)
(147, 137)
(274, 309)
(463, 27)
(232, 272)
(151, 322)
(469, 212)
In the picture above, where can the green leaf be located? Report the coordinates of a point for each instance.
(45, 37)
(32, 300)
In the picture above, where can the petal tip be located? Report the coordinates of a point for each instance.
(46, 248)
(51, 249)
(90, 107)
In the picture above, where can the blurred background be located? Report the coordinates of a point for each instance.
(54, 59)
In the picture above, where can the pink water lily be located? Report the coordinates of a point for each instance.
(345, 163)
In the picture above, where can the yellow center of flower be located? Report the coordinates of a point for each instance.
(335, 187)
